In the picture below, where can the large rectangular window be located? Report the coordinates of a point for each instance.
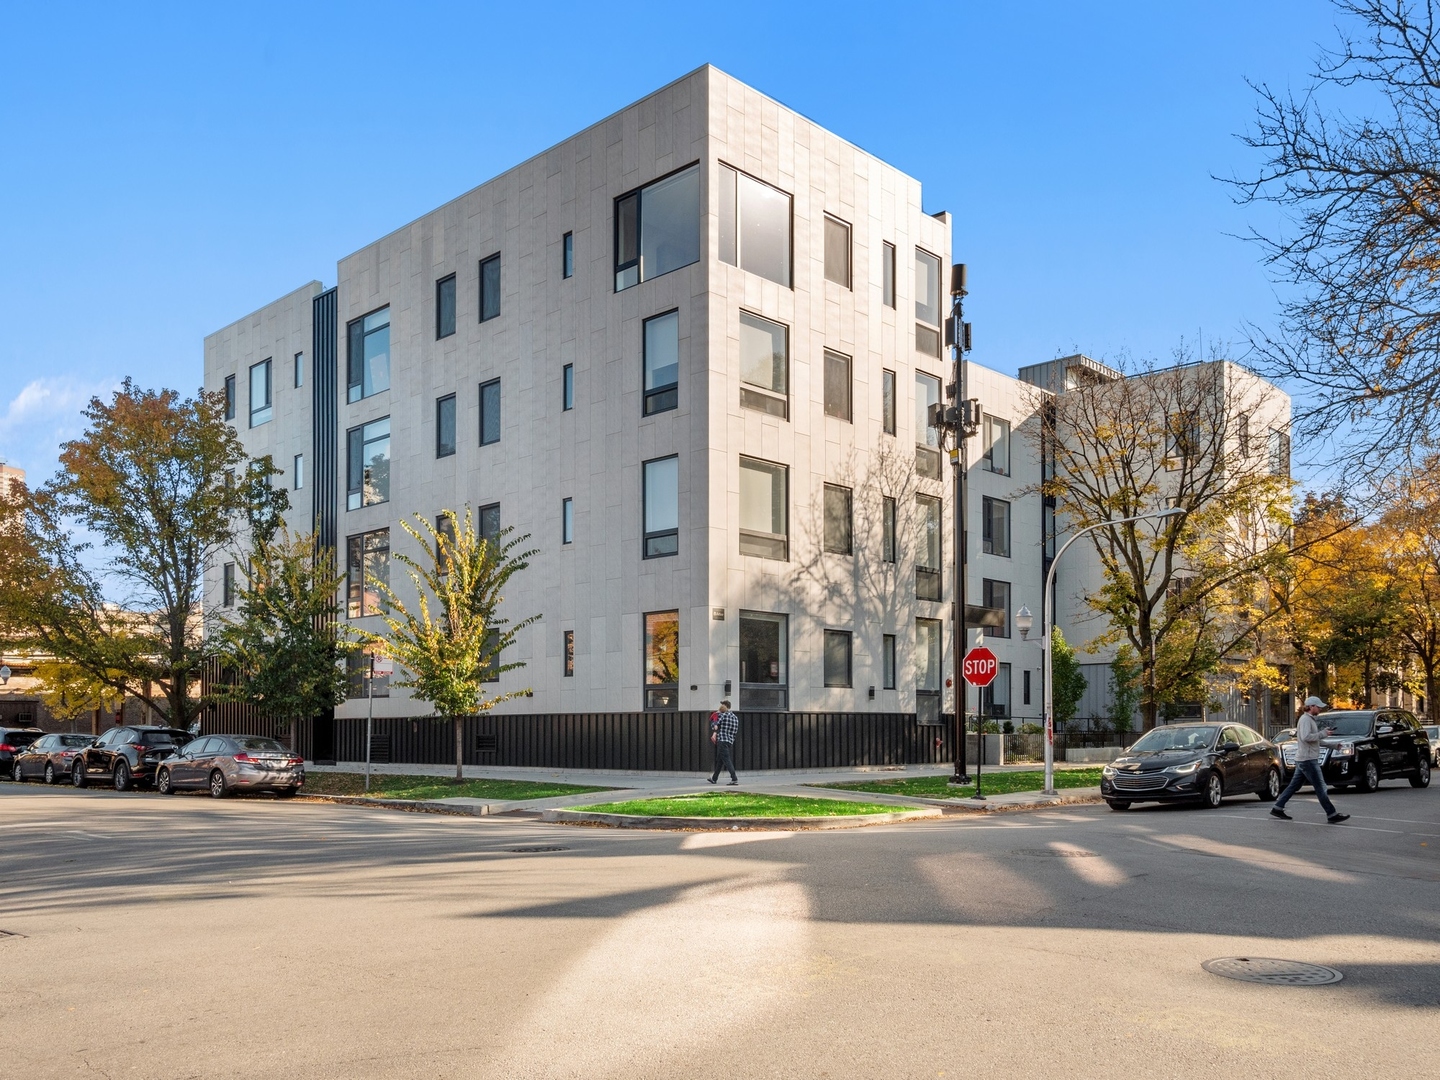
(489, 288)
(567, 521)
(887, 529)
(837, 251)
(997, 445)
(368, 565)
(661, 348)
(764, 678)
(755, 229)
(928, 670)
(764, 365)
(657, 228)
(445, 426)
(764, 509)
(887, 274)
(368, 359)
(229, 397)
(490, 412)
(996, 596)
(995, 526)
(928, 548)
(927, 303)
(838, 647)
(837, 386)
(445, 307)
(297, 472)
(299, 370)
(260, 410)
(662, 660)
(887, 662)
(567, 387)
(839, 520)
(367, 462)
(567, 255)
(889, 391)
(927, 436)
(662, 507)
(227, 585)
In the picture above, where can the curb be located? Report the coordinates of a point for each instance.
(414, 806)
(703, 824)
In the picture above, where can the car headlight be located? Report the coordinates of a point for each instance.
(1344, 750)
(1184, 770)
(1108, 770)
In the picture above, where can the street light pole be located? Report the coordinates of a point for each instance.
(955, 420)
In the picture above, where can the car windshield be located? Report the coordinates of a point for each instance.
(255, 742)
(1175, 738)
(1346, 723)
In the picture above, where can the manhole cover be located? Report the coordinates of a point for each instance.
(1265, 969)
(1051, 853)
(529, 850)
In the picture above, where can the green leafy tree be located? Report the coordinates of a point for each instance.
(450, 640)
(1125, 688)
(1070, 684)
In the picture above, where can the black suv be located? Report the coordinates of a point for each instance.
(11, 741)
(126, 756)
(1369, 745)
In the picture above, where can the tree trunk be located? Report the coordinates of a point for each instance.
(1432, 685)
(459, 723)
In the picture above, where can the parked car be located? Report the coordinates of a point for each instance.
(226, 763)
(12, 740)
(49, 757)
(126, 756)
(1369, 745)
(1432, 732)
(1280, 739)
(1202, 762)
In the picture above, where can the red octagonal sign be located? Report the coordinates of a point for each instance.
(981, 666)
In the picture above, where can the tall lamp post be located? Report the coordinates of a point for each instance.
(1024, 621)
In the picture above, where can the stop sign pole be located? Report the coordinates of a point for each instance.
(980, 668)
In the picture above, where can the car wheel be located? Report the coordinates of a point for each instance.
(1214, 791)
(77, 774)
(1370, 775)
(1422, 775)
(122, 777)
(1271, 791)
(15, 773)
(162, 783)
(286, 792)
(49, 772)
(217, 784)
(1117, 804)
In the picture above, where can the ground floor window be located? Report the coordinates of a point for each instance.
(764, 676)
(662, 660)
(838, 656)
(928, 653)
(995, 698)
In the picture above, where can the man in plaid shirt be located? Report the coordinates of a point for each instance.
(724, 725)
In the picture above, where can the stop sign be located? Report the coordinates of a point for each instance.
(980, 666)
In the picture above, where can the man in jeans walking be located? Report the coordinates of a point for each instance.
(1307, 764)
(724, 725)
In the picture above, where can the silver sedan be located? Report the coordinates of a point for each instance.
(226, 763)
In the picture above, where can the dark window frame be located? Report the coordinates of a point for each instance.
(889, 529)
(351, 489)
(765, 693)
(767, 399)
(355, 365)
(652, 542)
(355, 607)
(664, 398)
(849, 639)
(299, 372)
(827, 541)
(482, 292)
(567, 520)
(654, 692)
(442, 449)
(445, 319)
(567, 653)
(832, 220)
(987, 595)
(227, 585)
(889, 401)
(268, 408)
(830, 408)
(567, 388)
(229, 397)
(638, 194)
(768, 545)
(990, 543)
(888, 662)
(499, 413)
(567, 256)
(736, 257)
(887, 274)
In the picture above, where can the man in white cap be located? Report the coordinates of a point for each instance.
(1307, 764)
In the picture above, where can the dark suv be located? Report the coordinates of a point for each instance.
(1369, 745)
(126, 756)
(11, 740)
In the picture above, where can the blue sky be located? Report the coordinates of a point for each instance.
(166, 170)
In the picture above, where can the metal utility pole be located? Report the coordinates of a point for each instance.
(961, 418)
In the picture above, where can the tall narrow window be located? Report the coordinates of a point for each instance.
(227, 584)
(754, 226)
(764, 365)
(568, 644)
(997, 445)
(229, 397)
(299, 370)
(887, 662)
(661, 349)
(445, 307)
(996, 596)
(1242, 434)
(297, 471)
(567, 521)
(928, 662)
(927, 550)
(260, 411)
(368, 464)
(995, 526)
(887, 274)
(837, 251)
(567, 387)
(489, 288)
(662, 660)
(995, 698)
(490, 412)
(888, 394)
(887, 529)
(1025, 679)
(657, 228)
(662, 507)
(489, 518)
(763, 645)
(837, 644)
(927, 303)
(927, 436)
(445, 426)
(1279, 453)
(837, 386)
(444, 541)
(764, 509)
(368, 565)
(839, 520)
(567, 255)
(368, 360)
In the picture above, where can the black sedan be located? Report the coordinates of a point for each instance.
(1188, 762)
(126, 756)
(49, 758)
(12, 741)
(1365, 746)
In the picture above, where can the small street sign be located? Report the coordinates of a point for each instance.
(980, 666)
(380, 668)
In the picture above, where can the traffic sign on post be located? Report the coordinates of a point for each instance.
(980, 667)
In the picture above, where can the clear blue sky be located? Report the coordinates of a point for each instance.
(166, 170)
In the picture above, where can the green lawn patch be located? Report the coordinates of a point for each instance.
(999, 783)
(435, 787)
(723, 804)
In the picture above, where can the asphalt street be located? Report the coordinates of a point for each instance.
(190, 937)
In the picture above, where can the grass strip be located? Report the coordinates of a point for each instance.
(725, 804)
(998, 783)
(436, 787)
